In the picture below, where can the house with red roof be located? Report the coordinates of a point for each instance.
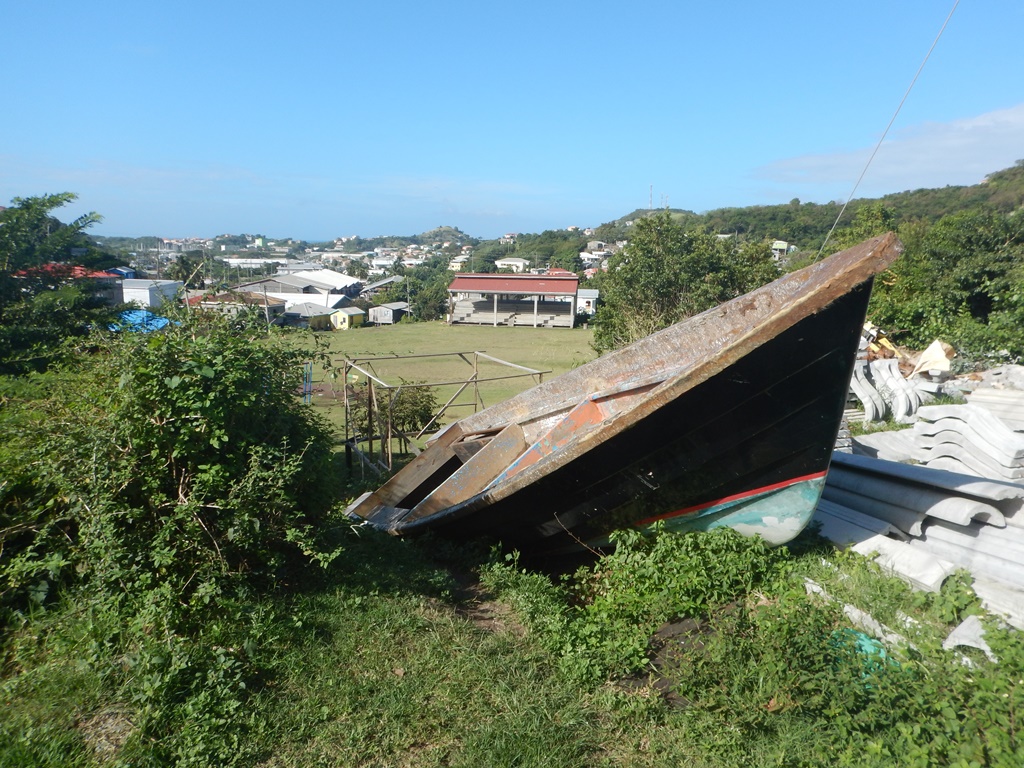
(538, 301)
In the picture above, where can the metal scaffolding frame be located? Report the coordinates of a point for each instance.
(380, 390)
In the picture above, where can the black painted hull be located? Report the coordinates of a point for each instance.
(743, 441)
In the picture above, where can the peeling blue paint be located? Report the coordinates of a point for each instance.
(777, 516)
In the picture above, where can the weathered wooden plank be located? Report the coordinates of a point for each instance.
(473, 476)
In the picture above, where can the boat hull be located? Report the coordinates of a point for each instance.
(721, 454)
(741, 437)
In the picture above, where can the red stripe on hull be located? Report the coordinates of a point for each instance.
(735, 497)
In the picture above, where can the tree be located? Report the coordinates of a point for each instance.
(188, 268)
(869, 221)
(566, 255)
(357, 268)
(431, 301)
(413, 409)
(410, 407)
(425, 288)
(40, 303)
(960, 280)
(30, 237)
(666, 274)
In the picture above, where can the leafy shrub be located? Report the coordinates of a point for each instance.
(954, 601)
(762, 658)
(177, 460)
(959, 280)
(160, 480)
(650, 580)
(609, 611)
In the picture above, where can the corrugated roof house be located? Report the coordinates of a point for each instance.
(307, 315)
(347, 318)
(389, 314)
(495, 299)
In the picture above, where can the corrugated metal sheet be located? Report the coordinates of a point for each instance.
(1006, 404)
(544, 285)
(923, 523)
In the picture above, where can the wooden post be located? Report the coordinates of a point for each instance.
(369, 417)
(387, 429)
(476, 381)
(348, 416)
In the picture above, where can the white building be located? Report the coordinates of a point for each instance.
(336, 280)
(586, 301)
(513, 263)
(150, 293)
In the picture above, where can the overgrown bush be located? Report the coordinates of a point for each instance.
(410, 408)
(959, 280)
(612, 608)
(177, 460)
(159, 481)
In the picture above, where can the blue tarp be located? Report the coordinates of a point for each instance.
(139, 321)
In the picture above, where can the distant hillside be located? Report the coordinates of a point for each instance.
(619, 229)
(808, 223)
(678, 214)
(114, 243)
(1002, 192)
(795, 222)
(442, 234)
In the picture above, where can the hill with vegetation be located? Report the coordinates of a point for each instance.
(440, 234)
(1000, 192)
(806, 224)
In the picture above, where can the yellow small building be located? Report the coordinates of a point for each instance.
(347, 317)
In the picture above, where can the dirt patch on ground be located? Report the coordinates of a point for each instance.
(105, 732)
(669, 648)
(492, 616)
(477, 605)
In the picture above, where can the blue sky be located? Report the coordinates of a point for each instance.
(322, 119)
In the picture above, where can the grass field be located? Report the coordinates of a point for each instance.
(395, 657)
(552, 350)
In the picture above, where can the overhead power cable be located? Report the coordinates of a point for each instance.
(886, 131)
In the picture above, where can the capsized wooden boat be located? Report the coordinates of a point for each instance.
(726, 418)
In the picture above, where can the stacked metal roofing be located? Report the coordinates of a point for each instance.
(944, 495)
(968, 438)
(1006, 404)
(924, 523)
(881, 389)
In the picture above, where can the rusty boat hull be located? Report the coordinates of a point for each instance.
(726, 418)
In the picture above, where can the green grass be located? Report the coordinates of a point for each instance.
(51, 694)
(543, 349)
(391, 660)
(383, 668)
